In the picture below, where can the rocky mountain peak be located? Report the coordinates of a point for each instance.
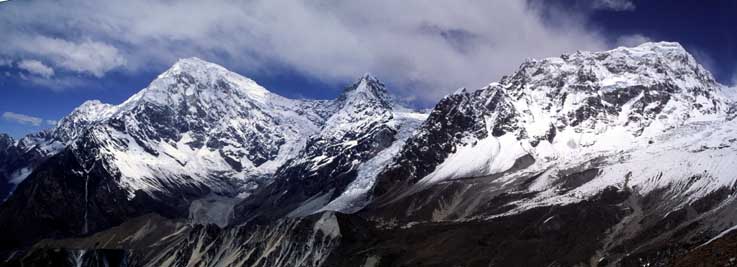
(366, 89)
(200, 69)
(197, 124)
(90, 112)
(370, 78)
(648, 64)
(5, 141)
(193, 80)
(585, 101)
(654, 84)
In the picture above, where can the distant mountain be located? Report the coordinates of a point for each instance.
(18, 158)
(616, 158)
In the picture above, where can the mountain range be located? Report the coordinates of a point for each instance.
(615, 158)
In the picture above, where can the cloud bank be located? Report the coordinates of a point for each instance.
(426, 49)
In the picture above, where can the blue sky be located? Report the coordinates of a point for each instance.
(57, 54)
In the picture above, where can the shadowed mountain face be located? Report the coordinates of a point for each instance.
(615, 158)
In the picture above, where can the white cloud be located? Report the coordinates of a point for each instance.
(5, 62)
(616, 5)
(426, 49)
(92, 57)
(56, 83)
(632, 40)
(22, 118)
(51, 122)
(36, 67)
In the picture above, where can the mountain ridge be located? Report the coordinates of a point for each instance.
(616, 158)
(198, 133)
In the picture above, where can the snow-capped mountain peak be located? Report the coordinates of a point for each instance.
(193, 79)
(197, 124)
(627, 151)
(368, 89)
(644, 65)
(362, 105)
(557, 109)
(90, 112)
(654, 84)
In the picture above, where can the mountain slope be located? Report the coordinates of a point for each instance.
(337, 168)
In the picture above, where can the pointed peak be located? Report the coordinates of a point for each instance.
(367, 83)
(193, 65)
(91, 111)
(460, 91)
(192, 61)
(366, 87)
(92, 104)
(194, 76)
(91, 108)
(368, 77)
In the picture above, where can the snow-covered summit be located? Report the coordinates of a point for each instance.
(198, 124)
(653, 87)
(645, 65)
(90, 112)
(366, 89)
(194, 80)
(562, 111)
(364, 104)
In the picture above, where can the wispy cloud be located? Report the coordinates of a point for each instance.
(730, 90)
(427, 49)
(36, 67)
(632, 40)
(55, 83)
(86, 56)
(22, 118)
(83, 56)
(703, 57)
(616, 5)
